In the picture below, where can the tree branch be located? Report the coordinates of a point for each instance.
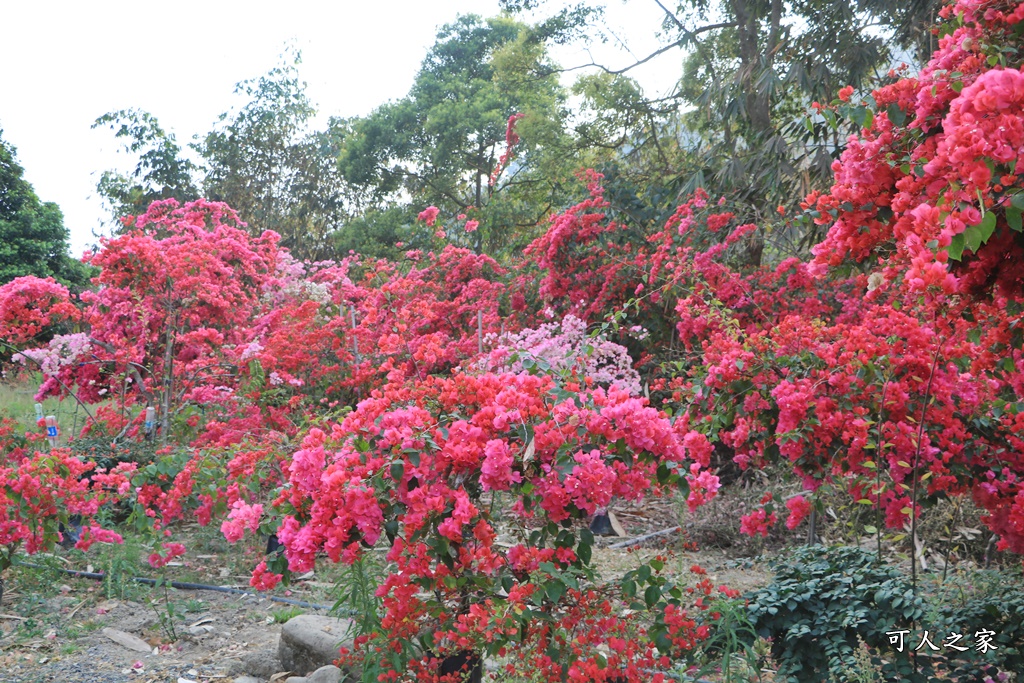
(687, 38)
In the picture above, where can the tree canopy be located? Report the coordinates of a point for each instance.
(442, 143)
(33, 239)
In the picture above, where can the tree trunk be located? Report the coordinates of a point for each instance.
(165, 408)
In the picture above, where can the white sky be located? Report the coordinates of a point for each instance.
(66, 63)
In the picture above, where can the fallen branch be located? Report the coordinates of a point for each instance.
(645, 537)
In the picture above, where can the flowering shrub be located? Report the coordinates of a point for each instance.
(42, 492)
(900, 381)
(423, 319)
(31, 307)
(422, 464)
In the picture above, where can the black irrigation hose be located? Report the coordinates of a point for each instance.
(190, 586)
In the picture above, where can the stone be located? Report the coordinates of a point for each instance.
(127, 640)
(246, 679)
(309, 642)
(296, 679)
(261, 664)
(325, 674)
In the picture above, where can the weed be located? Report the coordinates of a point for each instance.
(194, 605)
(285, 614)
(732, 649)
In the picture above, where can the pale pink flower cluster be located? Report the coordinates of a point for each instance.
(63, 350)
(566, 346)
(251, 350)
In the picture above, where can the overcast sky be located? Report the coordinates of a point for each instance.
(66, 63)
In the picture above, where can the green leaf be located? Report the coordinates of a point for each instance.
(1013, 218)
(584, 552)
(987, 226)
(956, 247)
(897, 116)
(972, 237)
(652, 595)
(397, 471)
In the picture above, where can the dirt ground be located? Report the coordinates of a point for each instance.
(52, 626)
(72, 645)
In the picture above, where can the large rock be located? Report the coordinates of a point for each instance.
(309, 642)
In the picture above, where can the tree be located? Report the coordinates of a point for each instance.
(161, 172)
(33, 239)
(441, 144)
(265, 162)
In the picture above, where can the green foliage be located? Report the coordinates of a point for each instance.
(440, 144)
(737, 123)
(980, 600)
(732, 647)
(161, 172)
(263, 159)
(377, 233)
(108, 452)
(33, 239)
(356, 587)
(823, 603)
(119, 564)
(266, 162)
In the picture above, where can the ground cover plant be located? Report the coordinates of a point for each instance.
(467, 417)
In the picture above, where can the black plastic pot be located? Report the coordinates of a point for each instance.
(601, 525)
(468, 664)
(273, 545)
(72, 533)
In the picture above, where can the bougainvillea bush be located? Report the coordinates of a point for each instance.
(430, 467)
(888, 363)
(469, 415)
